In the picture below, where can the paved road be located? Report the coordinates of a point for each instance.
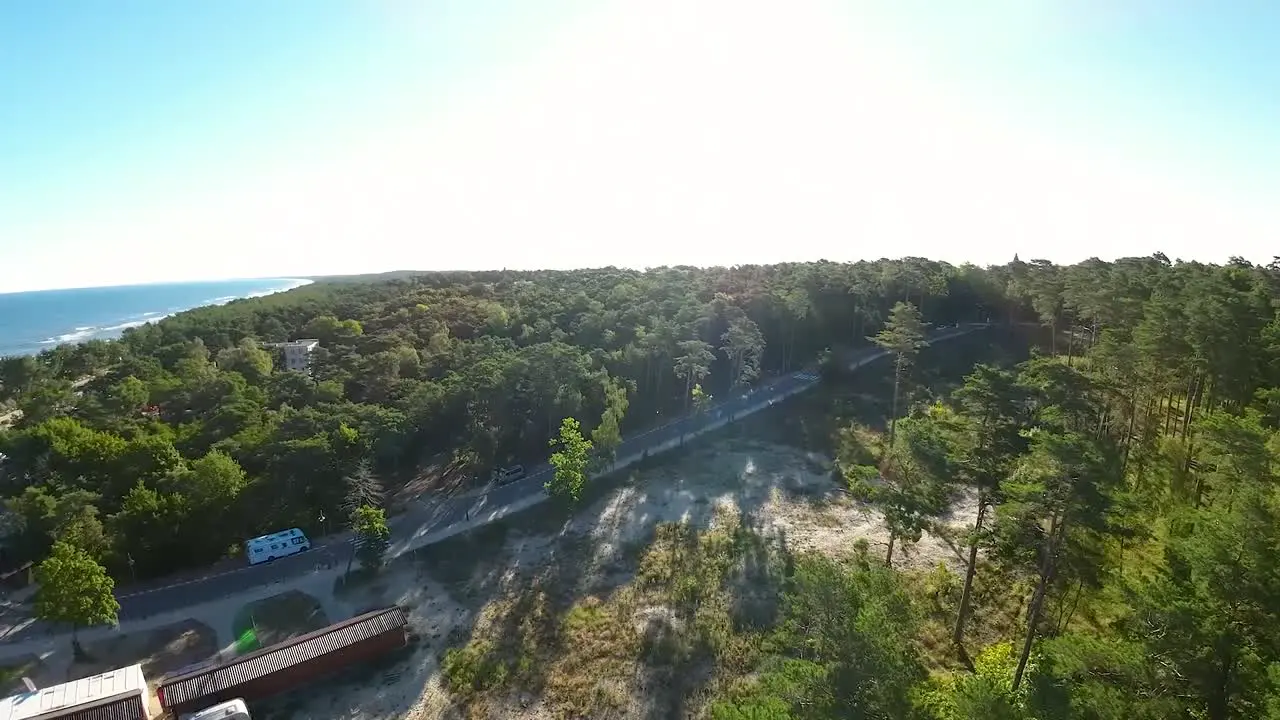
(425, 518)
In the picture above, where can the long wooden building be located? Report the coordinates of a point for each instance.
(284, 666)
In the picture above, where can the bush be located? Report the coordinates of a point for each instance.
(473, 668)
(942, 586)
(860, 480)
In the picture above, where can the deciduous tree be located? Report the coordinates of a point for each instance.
(571, 461)
(364, 488)
(700, 399)
(693, 364)
(743, 346)
(607, 436)
(372, 536)
(74, 589)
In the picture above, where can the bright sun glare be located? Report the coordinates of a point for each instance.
(656, 132)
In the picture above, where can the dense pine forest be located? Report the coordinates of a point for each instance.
(1124, 559)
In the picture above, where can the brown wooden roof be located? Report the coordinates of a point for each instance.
(202, 682)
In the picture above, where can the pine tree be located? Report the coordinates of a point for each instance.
(903, 335)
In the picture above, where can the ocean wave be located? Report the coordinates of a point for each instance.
(134, 323)
(78, 335)
(92, 332)
(82, 334)
(291, 284)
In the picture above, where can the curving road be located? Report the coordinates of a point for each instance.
(429, 523)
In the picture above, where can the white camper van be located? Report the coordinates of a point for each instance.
(276, 545)
(229, 710)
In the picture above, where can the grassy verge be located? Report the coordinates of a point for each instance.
(11, 674)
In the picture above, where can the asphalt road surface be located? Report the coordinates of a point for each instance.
(229, 578)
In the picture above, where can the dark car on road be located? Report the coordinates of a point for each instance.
(508, 475)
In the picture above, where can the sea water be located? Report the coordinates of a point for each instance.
(34, 321)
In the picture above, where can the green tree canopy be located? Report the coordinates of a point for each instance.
(74, 589)
(571, 461)
(372, 536)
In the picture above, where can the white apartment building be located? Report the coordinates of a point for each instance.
(297, 354)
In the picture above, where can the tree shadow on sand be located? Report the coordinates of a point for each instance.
(625, 613)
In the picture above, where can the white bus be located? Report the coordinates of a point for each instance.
(276, 545)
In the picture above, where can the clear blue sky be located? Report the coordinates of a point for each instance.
(146, 141)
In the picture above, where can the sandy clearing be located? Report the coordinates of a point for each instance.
(776, 489)
(779, 490)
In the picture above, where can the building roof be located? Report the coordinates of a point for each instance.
(58, 699)
(193, 685)
(305, 343)
(281, 535)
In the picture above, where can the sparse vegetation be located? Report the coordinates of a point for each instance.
(724, 620)
(671, 625)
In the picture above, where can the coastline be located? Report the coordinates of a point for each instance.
(109, 329)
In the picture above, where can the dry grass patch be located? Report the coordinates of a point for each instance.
(996, 608)
(656, 646)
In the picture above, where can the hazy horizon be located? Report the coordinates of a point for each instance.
(174, 143)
